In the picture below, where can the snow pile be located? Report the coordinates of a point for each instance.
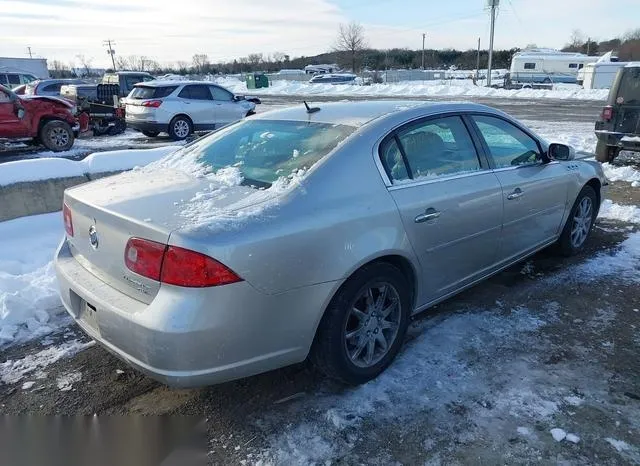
(33, 365)
(625, 173)
(29, 299)
(453, 88)
(100, 162)
(622, 213)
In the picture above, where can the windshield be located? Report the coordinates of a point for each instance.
(265, 150)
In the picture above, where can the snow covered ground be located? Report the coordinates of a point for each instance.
(449, 88)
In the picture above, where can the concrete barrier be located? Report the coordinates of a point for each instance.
(38, 197)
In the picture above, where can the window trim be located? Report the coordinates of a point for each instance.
(393, 134)
(486, 149)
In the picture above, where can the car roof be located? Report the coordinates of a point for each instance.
(362, 112)
(129, 72)
(169, 82)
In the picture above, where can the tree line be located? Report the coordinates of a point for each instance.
(351, 52)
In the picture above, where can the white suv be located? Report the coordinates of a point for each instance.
(182, 107)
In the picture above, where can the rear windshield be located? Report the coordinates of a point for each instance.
(148, 92)
(629, 88)
(266, 150)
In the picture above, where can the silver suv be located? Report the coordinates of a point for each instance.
(182, 107)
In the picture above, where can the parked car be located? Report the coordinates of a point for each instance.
(342, 78)
(12, 79)
(45, 120)
(182, 107)
(49, 87)
(618, 127)
(403, 204)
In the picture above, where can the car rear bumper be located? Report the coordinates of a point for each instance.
(150, 126)
(629, 142)
(190, 337)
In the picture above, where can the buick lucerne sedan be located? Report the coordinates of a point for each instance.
(312, 232)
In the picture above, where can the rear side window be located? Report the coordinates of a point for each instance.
(14, 79)
(529, 66)
(147, 92)
(195, 92)
(508, 145)
(52, 87)
(3, 79)
(629, 88)
(433, 148)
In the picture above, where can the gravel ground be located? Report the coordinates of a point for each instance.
(484, 378)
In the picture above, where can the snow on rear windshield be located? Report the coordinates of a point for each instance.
(264, 151)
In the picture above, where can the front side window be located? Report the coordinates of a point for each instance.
(265, 150)
(221, 94)
(434, 148)
(529, 66)
(508, 145)
(14, 79)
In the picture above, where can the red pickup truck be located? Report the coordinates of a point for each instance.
(49, 121)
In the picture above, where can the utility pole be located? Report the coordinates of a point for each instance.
(493, 4)
(111, 52)
(478, 61)
(588, 45)
(29, 50)
(423, 38)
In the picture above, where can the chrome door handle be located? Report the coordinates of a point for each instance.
(515, 194)
(430, 214)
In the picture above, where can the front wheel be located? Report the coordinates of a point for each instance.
(57, 136)
(364, 326)
(580, 222)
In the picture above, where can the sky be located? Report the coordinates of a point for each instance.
(174, 30)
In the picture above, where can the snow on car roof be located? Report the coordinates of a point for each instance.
(353, 113)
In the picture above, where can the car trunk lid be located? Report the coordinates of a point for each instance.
(108, 212)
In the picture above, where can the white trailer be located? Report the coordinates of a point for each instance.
(547, 66)
(601, 75)
(34, 66)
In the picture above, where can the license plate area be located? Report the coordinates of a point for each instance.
(89, 315)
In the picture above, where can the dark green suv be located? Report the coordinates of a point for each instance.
(619, 125)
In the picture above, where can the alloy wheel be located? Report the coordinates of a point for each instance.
(582, 220)
(59, 137)
(181, 128)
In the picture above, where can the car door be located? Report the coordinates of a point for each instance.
(196, 101)
(227, 110)
(11, 126)
(449, 201)
(535, 193)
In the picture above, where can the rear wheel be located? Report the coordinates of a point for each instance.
(151, 134)
(580, 222)
(364, 327)
(180, 128)
(56, 136)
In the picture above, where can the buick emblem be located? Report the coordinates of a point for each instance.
(93, 237)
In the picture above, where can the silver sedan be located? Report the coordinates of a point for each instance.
(313, 232)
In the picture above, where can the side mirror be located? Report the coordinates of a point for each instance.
(559, 151)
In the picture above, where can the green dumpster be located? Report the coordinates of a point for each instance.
(251, 81)
(260, 80)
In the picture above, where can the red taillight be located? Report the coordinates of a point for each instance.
(144, 257)
(176, 266)
(607, 113)
(68, 220)
(152, 103)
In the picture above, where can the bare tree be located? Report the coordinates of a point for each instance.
(200, 63)
(351, 40)
(576, 39)
(255, 59)
(183, 67)
(278, 57)
(86, 64)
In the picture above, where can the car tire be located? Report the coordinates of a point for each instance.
(151, 134)
(57, 136)
(605, 153)
(580, 223)
(180, 128)
(343, 339)
(119, 127)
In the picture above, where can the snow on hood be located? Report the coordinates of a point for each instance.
(58, 100)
